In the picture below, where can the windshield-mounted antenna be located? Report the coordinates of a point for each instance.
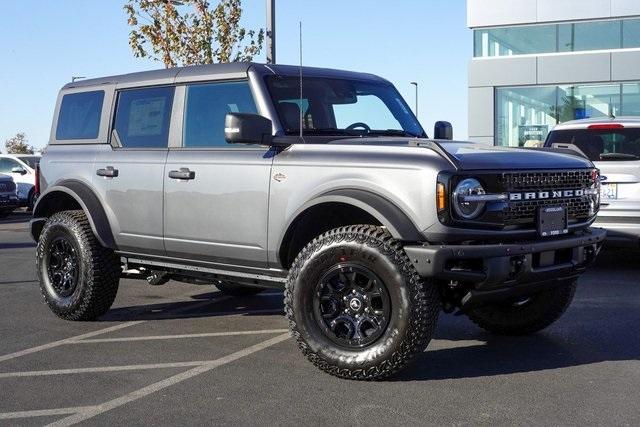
(300, 102)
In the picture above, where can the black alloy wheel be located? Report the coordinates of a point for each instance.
(62, 266)
(352, 305)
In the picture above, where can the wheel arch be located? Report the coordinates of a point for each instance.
(357, 207)
(70, 195)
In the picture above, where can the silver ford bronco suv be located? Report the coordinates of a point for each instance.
(319, 182)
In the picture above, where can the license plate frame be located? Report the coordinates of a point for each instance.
(552, 221)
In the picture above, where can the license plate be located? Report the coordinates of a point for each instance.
(552, 221)
(609, 191)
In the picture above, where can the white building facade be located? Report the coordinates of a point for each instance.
(541, 62)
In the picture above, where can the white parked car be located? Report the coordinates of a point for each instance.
(22, 168)
(613, 144)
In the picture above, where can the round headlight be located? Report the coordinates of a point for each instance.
(464, 208)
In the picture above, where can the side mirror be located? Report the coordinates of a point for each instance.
(443, 130)
(242, 128)
(19, 170)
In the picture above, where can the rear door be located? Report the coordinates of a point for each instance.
(218, 211)
(130, 171)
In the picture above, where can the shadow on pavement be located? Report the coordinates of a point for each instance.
(18, 245)
(259, 305)
(16, 217)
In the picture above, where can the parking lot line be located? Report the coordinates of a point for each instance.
(90, 412)
(103, 369)
(68, 340)
(173, 337)
(71, 340)
(43, 412)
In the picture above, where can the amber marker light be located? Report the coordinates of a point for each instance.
(441, 197)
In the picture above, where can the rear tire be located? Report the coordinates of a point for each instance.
(78, 277)
(356, 305)
(527, 317)
(230, 288)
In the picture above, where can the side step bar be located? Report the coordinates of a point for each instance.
(207, 273)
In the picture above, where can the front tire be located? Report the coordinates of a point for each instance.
(356, 305)
(527, 316)
(78, 277)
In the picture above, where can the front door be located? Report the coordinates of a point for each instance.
(216, 194)
(129, 172)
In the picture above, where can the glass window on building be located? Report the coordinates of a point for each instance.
(630, 33)
(552, 38)
(524, 115)
(630, 99)
(586, 101)
(589, 36)
(515, 40)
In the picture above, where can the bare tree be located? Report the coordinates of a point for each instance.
(190, 32)
(18, 144)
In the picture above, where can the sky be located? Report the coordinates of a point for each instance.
(43, 43)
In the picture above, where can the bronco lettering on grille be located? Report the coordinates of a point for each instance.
(540, 195)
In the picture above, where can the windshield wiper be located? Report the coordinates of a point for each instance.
(618, 156)
(323, 131)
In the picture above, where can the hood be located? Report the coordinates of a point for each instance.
(474, 156)
(480, 156)
(4, 177)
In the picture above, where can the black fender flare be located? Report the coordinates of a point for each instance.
(385, 211)
(88, 201)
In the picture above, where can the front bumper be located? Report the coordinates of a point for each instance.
(501, 271)
(9, 203)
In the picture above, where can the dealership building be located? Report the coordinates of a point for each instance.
(537, 63)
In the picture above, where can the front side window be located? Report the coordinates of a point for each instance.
(79, 116)
(142, 117)
(337, 106)
(7, 164)
(206, 108)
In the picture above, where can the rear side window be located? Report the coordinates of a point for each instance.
(601, 144)
(143, 116)
(206, 108)
(79, 116)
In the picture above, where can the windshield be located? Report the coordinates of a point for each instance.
(32, 161)
(341, 107)
(601, 144)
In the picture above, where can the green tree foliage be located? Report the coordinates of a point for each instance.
(18, 144)
(189, 32)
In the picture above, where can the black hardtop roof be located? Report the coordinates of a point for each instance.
(197, 72)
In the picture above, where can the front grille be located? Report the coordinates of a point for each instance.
(7, 187)
(557, 180)
(524, 211)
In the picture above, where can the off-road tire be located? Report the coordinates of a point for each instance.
(540, 311)
(98, 273)
(230, 288)
(415, 304)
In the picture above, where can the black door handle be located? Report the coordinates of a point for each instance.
(109, 172)
(183, 173)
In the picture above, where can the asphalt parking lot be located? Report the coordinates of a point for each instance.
(182, 354)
